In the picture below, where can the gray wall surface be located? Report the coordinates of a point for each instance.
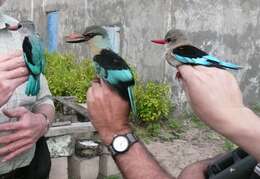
(226, 28)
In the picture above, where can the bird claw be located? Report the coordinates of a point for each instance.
(96, 79)
(178, 76)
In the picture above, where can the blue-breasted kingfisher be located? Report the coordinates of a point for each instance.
(179, 50)
(33, 53)
(109, 66)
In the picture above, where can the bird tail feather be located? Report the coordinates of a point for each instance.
(132, 100)
(230, 65)
(220, 63)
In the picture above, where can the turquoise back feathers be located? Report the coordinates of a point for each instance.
(34, 59)
(115, 71)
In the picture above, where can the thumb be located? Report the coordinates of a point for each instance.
(105, 85)
(188, 73)
(15, 113)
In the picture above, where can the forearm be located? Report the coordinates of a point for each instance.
(244, 130)
(47, 109)
(138, 163)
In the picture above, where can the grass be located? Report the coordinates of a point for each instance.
(256, 107)
(196, 122)
(113, 177)
(165, 130)
(228, 145)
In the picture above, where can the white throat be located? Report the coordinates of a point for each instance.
(98, 43)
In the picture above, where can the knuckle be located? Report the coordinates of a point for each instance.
(4, 86)
(28, 133)
(7, 140)
(30, 141)
(10, 126)
(25, 124)
(12, 148)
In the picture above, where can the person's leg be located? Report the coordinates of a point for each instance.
(21, 173)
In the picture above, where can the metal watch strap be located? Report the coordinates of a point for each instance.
(131, 139)
(257, 169)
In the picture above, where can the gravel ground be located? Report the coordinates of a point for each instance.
(195, 144)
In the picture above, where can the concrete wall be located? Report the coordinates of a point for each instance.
(226, 28)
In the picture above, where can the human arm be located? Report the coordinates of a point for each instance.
(109, 115)
(215, 97)
(196, 170)
(30, 125)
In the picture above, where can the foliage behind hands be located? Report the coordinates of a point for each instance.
(153, 101)
(66, 77)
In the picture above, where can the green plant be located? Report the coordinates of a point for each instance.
(175, 125)
(113, 177)
(153, 101)
(153, 129)
(66, 77)
(196, 121)
(256, 107)
(228, 145)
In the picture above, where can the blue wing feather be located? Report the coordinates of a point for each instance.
(118, 76)
(188, 54)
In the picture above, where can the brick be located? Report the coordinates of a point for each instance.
(107, 165)
(83, 168)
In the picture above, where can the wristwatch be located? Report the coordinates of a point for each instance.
(121, 143)
(257, 169)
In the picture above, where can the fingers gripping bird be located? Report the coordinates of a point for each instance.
(33, 53)
(109, 66)
(180, 51)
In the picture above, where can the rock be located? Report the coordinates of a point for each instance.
(87, 148)
(82, 168)
(107, 165)
(61, 146)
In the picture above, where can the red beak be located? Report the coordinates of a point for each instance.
(14, 27)
(159, 41)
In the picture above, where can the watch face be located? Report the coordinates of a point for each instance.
(120, 144)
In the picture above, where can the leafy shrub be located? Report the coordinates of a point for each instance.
(66, 77)
(256, 107)
(152, 100)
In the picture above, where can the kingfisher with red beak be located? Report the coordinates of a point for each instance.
(109, 66)
(180, 51)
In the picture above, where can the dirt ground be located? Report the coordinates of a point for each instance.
(194, 144)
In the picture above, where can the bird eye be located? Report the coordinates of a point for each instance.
(90, 35)
(168, 40)
(173, 39)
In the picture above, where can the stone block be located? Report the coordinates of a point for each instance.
(107, 165)
(87, 148)
(59, 168)
(83, 168)
(73, 128)
(61, 146)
